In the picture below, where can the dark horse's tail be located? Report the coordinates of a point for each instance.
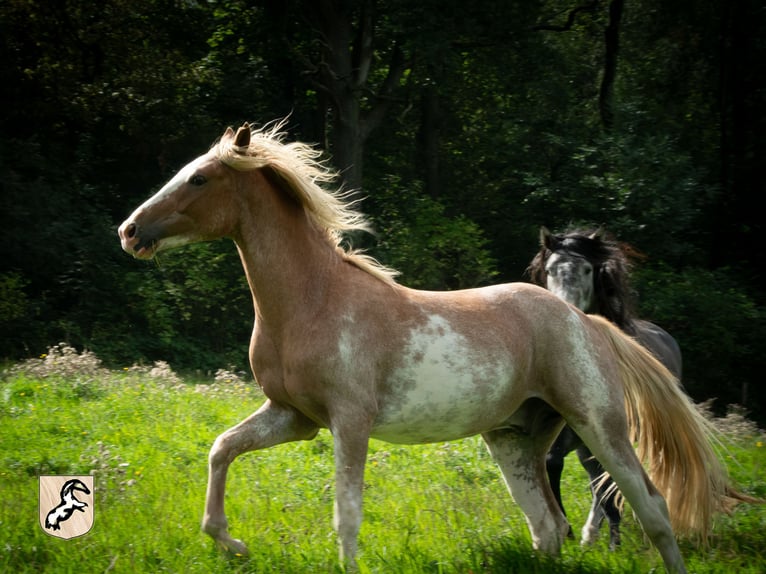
(675, 441)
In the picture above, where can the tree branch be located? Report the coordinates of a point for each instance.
(590, 7)
(383, 98)
(361, 56)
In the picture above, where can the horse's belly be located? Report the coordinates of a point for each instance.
(445, 387)
(425, 418)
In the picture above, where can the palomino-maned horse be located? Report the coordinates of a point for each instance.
(338, 344)
(590, 270)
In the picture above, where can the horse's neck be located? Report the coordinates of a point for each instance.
(288, 263)
(614, 313)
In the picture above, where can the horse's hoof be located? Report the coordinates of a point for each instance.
(234, 548)
(588, 537)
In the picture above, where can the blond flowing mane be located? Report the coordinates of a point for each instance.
(304, 176)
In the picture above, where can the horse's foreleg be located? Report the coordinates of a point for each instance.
(565, 443)
(350, 456)
(521, 459)
(271, 425)
(592, 526)
(554, 466)
(604, 501)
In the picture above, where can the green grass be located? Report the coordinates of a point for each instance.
(438, 508)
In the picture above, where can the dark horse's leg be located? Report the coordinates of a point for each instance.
(566, 442)
(604, 501)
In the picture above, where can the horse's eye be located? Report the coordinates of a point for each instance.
(197, 179)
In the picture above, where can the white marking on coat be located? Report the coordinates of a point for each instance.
(447, 387)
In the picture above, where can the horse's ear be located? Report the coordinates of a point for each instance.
(228, 134)
(546, 237)
(242, 138)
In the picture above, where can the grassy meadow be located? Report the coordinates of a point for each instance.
(439, 508)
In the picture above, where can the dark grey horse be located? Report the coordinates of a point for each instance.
(590, 270)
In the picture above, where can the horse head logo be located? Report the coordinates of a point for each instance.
(70, 506)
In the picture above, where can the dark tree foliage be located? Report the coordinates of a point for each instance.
(465, 126)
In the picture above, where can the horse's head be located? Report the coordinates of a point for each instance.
(74, 484)
(189, 207)
(568, 271)
(588, 269)
(568, 274)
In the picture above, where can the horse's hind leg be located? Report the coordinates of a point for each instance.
(272, 424)
(519, 451)
(604, 501)
(617, 456)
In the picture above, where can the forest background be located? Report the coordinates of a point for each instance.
(464, 125)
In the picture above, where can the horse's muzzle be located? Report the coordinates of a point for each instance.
(133, 243)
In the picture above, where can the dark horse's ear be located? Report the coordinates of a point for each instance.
(242, 139)
(546, 238)
(597, 235)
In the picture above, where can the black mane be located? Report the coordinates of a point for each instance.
(611, 260)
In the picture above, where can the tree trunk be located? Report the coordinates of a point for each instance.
(612, 44)
(342, 74)
(347, 141)
(429, 140)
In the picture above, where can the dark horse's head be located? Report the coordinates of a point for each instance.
(587, 268)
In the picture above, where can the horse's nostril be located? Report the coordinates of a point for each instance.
(130, 230)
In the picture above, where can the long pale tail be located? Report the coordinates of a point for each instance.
(674, 441)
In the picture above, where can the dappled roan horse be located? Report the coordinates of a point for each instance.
(338, 344)
(590, 270)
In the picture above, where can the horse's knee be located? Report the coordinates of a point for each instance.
(219, 451)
